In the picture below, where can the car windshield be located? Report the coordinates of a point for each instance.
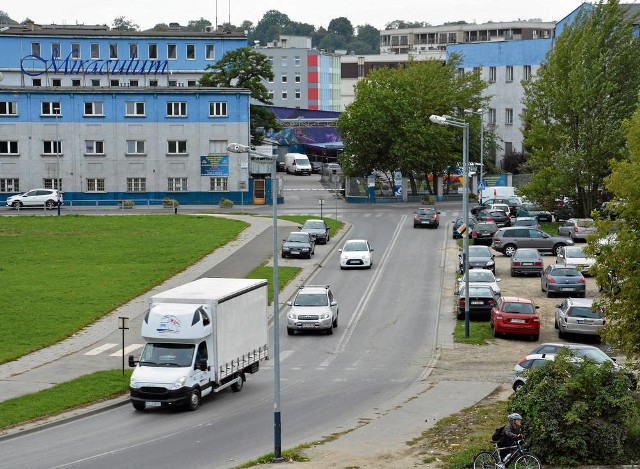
(478, 291)
(479, 251)
(520, 308)
(178, 355)
(527, 254)
(594, 354)
(314, 224)
(584, 312)
(574, 252)
(585, 223)
(422, 211)
(311, 299)
(479, 276)
(357, 246)
(298, 238)
(566, 273)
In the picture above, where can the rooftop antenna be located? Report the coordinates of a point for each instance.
(229, 13)
(216, 13)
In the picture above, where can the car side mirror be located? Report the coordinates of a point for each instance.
(498, 279)
(132, 361)
(202, 364)
(289, 303)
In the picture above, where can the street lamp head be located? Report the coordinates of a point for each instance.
(238, 148)
(441, 120)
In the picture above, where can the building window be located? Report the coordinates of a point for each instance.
(114, 82)
(172, 83)
(296, 60)
(56, 82)
(172, 52)
(50, 108)
(175, 109)
(75, 50)
(284, 94)
(8, 108)
(135, 147)
(477, 70)
(284, 78)
(460, 72)
(93, 147)
(36, 82)
(508, 148)
(55, 50)
(134, 108)
(153, 51)
(284, 61)
(95, 82)
(508, 116)
(209, 52)
(192, 83)
(176, 147)
(526, 72)
(75, 82)
(191, 51)
(93, 108)
(136, 184)
(10, 185)
(113, 50)
(492, 116)
(218, 184)
(95, 185)
(52, 147)
(35, 48)
(52, 183)
(153, 82)
(270, 95)
(492, 74)
(9, 147)
(95, 50)
(133, 51)
(218, 109)
(298, 94)
(509, 73)
(177, 185)
(133, 83)
(297, 78)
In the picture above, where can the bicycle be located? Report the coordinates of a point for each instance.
(520, 457)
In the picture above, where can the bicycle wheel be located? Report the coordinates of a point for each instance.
(527, 461)
(485, 460)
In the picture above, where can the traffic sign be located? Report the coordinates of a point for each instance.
(462, 229)
(481, 186)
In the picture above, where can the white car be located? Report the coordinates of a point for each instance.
(313, 309)
(575, 255)
(36, 198)
(356, 253)
(481, 277)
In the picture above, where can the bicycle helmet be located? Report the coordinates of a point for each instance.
(515, 416)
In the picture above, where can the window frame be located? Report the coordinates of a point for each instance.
(133, 50)
(136, 184)
(509, 73)
(179, 148)
(177, 184)
(134, 106)
(7, 106)
(152, 51)
(137, 143)
(76, 50)
(190, 51)
(52, 148)
(94, 50)
(96, 108)
(97, 147)
(219, 184)
(210, 52)
(113, 50)
(219, 108)
(172, 51)
(50, 107)
(9, 185)
(508, 116)
(12, 148)
(36, 48)
(94, 185)
(176, 109)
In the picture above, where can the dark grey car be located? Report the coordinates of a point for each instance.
(318, 229)
(479, 257)
(507, 240)
(298, 244)
(562, 279)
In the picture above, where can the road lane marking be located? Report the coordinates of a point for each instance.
(127, 350)
(100, 349)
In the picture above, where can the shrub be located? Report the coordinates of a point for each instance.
(169, 202)
(226, 203)
(576, 412)
(126, 203)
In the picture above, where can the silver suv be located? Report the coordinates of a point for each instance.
(36, 198)
(313, 309)
(508, 240)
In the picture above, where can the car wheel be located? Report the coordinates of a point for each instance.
(535, 337)
(330, 331)
(17, 204)
(555, 324)
(284, 256)
(50, 204)
(341, 267)
(517, 386)
(513, 273)
(335, 321)
(561, 333)
(138, 405)
(556, 249)
(237, 386)
(548, 293)
(328, 238)
(290, 331)
(194, 400)
(495, 333)
(509, 250)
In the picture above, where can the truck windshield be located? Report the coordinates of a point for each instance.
(178, 355)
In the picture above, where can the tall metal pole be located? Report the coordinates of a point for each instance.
(58, 184)
(481, 153)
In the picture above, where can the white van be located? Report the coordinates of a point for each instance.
(297, 163)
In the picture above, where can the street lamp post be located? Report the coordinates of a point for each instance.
(58, 183)
(480, 112)
(277, 424)
(446, 120)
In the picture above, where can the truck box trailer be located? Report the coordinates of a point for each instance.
(201, 337)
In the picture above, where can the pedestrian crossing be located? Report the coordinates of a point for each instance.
(108, 347)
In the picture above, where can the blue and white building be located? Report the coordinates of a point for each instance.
(107, 115)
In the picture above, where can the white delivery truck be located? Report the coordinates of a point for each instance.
(201, 337)
(297, 163)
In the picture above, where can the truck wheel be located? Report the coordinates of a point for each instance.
(194, 400)
(237, 386)
(138, 405)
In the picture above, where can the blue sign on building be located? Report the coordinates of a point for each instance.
(214, 165)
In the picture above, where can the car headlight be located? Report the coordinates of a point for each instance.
(325, 316)
(179, 382)
(134, 383)
(490, 263)
(292, 316)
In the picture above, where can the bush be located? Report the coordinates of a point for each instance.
(125, 203)
(226, 203)
(577, 412)
(169, 202)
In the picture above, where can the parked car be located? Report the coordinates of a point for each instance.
(318, 229)
(559, 279)
(479, 257)
(503, 207)
(48, 198)
(563, 212)
(298, 244)
(549, 350)
(515, 315)
(483, 231)
(538, 212)
(533, 360)
(575, 255)
(512, 202)
(529, 222)
(481, 277)
(526, 261)
(458, 223)
(578, 316)
(356, 253)
(500, 217)
(426, 217)
(507, 240)
(314, 308)
(316, 166)
(481, 300)
(577, 228)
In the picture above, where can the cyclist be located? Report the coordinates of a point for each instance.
(511, 433)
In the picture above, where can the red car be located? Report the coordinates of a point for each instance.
(515, 315)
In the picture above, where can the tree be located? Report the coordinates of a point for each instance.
(269, 27)
(367, 40)
(401, 24)
(123, 24)
(341, 26)
(245, 68)
(387, 126)
(618, 256)
(574, 108)
(198, 25)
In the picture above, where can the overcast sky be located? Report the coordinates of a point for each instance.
(377, 13)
